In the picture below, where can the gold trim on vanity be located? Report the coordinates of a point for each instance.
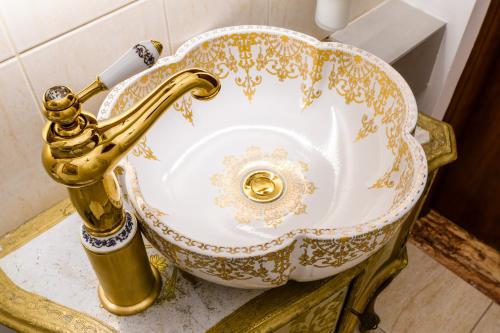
(277, 307)
(442, 147)
(27, 312)
(35, 227)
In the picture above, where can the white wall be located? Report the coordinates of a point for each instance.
(464, 18)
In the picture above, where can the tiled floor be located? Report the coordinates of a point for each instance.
(428, 298)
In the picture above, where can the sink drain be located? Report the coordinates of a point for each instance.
(262, 186)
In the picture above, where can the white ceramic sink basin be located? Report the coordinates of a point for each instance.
(300, 168)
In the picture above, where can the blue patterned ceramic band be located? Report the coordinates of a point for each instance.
(111, 243)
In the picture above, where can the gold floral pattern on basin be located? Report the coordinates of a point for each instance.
(332, 105)
(184, 107)
(246, 55)
(142, 149)
(159, 262)
(272, 268)
(272, 213)
(334, 253)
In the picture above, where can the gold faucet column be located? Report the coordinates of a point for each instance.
(81, 153)
(128, 283)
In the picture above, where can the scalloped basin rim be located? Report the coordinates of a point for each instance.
(379, 113)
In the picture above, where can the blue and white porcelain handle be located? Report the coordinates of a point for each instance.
(140, 57)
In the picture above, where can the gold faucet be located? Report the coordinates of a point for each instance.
(81, 153)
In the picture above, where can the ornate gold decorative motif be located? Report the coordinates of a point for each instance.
(283, 57)
(244, 43)
(336, 252)
(184, 107)
(441, 149)
(362, 82)
(322, 318)
(152, 215)
(350, 75)
(159, 262)
(273, 268)
(142, 149)
(368, 127)
(309, 90)
(25, 311)
(272, 213)
(275, 309)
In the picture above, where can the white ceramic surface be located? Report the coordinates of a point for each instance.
(332, 120)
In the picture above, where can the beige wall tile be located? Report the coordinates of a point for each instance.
(490, 322)
(33, 22)
(76, 58)
(6, 50)
(25, 188)
(299, 14)
(296, 15)
(426, 297)
(188, 18)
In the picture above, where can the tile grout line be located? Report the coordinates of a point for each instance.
(23, 70)
(18, 54)
(481, 317)
(31, 88)
(51, 39)
(9, 40)
(165, 18)
(7, 59)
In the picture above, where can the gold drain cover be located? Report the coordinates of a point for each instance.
(263, 186)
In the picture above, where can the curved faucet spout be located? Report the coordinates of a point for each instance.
(81, 152)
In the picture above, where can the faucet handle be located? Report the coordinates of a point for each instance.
(63, 107)
(140, 57)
